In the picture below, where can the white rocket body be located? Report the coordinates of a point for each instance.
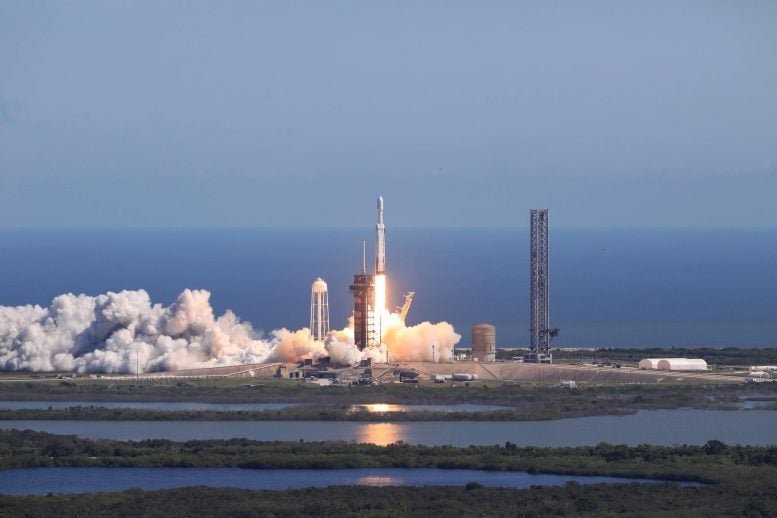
(380, 241)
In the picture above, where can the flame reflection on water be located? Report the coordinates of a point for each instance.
(378, 408)
(381, 434)
(378, 480)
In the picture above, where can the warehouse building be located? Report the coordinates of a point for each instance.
(673, 364)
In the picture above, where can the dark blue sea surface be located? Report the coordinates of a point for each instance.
(40, 481)
(608, 287)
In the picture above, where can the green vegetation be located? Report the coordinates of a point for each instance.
(570, 500)
(740, 479)
(715, 356)
(334, 403)
(714, 462)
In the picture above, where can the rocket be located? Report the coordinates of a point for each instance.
(380, 241)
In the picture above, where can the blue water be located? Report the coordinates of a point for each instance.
(150, 405)
(379, 408)
(663, 427)
(609, 287)
(40, 481)
(233, 407)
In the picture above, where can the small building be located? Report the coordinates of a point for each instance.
(649, 363)
(763, 368)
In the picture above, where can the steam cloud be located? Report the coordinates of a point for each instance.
(103, 334)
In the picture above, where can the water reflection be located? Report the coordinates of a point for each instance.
(665, 427)
(382, 408)
(378, 408)
(381, 434)
(377, 481)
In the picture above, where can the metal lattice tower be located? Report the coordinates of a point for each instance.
(540, 292)
(363, 291)
(319, 310)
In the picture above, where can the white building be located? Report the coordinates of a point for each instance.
(674, 364)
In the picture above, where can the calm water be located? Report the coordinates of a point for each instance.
(666, 427)
(39, 481)
(378, 408)
(610, 287)
(154, 405)
(232, 407)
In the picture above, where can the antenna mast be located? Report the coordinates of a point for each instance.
(364, 256)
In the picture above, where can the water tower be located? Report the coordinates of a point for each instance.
(319, 310)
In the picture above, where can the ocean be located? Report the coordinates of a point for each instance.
(609, 287)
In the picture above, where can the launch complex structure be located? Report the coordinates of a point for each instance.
(369, 291)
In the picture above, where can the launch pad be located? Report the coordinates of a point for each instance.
(427, 372)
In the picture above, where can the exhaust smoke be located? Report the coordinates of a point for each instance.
(104, 333)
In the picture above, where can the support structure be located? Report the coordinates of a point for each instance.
(363, 291)
(539, 298)
(319, 310)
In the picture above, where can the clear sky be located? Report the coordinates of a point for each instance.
(199, 113)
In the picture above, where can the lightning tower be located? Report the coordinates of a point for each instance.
(539, 302)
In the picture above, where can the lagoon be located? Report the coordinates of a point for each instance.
(41, 481)
(662, 427)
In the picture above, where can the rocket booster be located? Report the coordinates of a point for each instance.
(380, 241)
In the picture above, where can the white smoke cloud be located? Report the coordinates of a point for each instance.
(109, 333)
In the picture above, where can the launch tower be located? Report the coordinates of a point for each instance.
(363, 291)
(539, 308)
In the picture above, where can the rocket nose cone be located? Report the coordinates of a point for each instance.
(380, 202)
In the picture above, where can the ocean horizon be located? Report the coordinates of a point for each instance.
(609, 287)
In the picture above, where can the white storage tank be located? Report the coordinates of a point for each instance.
(484, 342)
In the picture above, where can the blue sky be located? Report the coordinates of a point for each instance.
(187, 113)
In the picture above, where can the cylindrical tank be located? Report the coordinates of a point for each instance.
(484, 342)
